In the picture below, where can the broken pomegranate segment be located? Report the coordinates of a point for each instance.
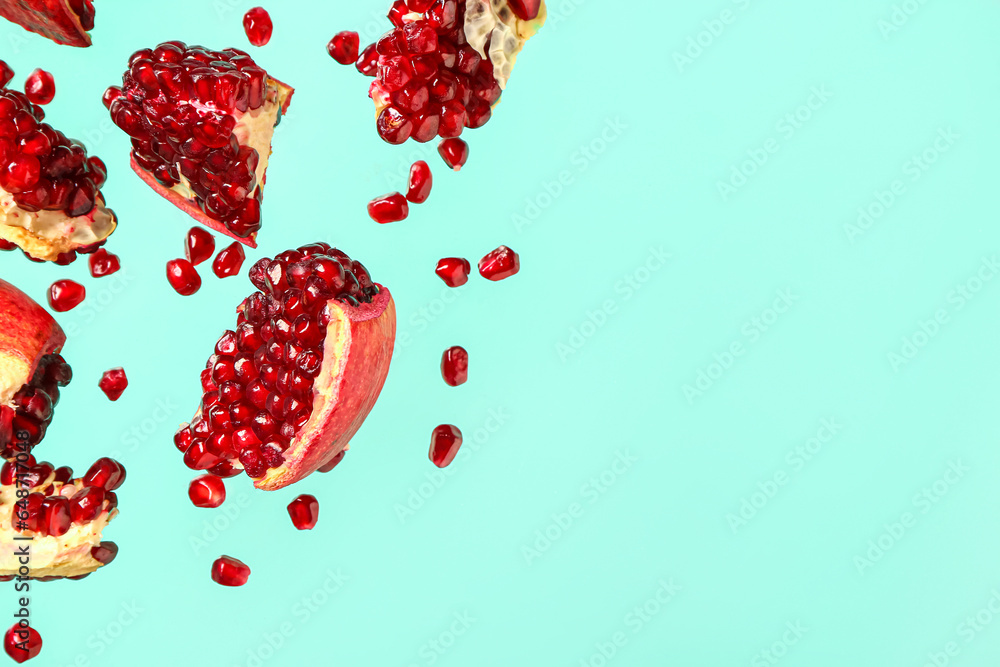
(445, 442)
(304, 512)
(201, 123)
(199, 245)
(388, 208)
(258, 27)
(66, 295)
(229, 261)
(103, 263)
(499, 264)
(40, 87)
(113, 383)
(420, 183)
(229, 571)
(22, 643)
(207, 491)
(62, 21)
(454, 152)
(455, 366)
(454, 271)
(183, 277)
(344, 47)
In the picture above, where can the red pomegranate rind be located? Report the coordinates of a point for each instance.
(27, 333)
(54, 19)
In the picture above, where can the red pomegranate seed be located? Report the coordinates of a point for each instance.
(6, 74)
(87, 505)
(525, 10)
(113, 383)
(393, 126)
(103, 263)
(455, 152)
(40, 87)
(455, 366)
(332, 463)
(499, 264)
(388, 208)
(22, 644)
(445, 441)
(344, 47)
(183, 277)
(105, 473)
(420, 183)
(56, 517)
(229, 261)
(304, 511)
(110, 95)
(367, 62)
(207, 491)
(199, 245)
(105, 552)
(454, 271)
(257, 25)
(230, 572)
(66, 295)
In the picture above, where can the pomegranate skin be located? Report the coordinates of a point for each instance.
(50, 18)
(27, 332)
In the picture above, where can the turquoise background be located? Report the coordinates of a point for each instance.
(601, 468)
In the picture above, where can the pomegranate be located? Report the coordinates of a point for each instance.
(40, 87)
(113, 383)
(344, 47)
(420, 183)
(499, 264)
(445, 442)
(183, 277)
(454, 271)
(207, 491)
(257, 25)
(455, 366)
(22, 643)
(66, 295)
(229, 261)
(286, 390)
(103, 263)
(201, 123)
(388, 208)
(62, 21)
(454, 152)
(304, 512)
(229, 571)
(199, 245)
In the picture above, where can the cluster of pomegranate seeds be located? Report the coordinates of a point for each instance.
(40, 87)
(178, 104)
(454, 152)
(113, 383)
(229, 261)
(183, 277)
(22, 644)
(392, 207)
(31, 407)
(207, 491)
(103, 263)
(332, 463)
(454, 271)
(258, 385)
(304, 512)
(199, 245)
(257, 25)
(229, 571)
(344, 47)
(455, 366)
(445, 442)
(499, 264)
(66, 295)
(419, 186)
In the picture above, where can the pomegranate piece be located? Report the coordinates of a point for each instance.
(257, 25)
(420, 183)
(183, 277)
(286, 389)
(229, 261)
(66, 295)
(445, 442)
(388, 208)
(367, 62)
(499, 264)
(455, 366)
(105, 473)
(6, 74)
(207, 491)
(22, 643)
(113, 383)
(40, 87)
(228, 571)
(332, 463)
(454, 152)
(304, 512)
(201, 124)
(199, 245)
(103, 263)
(62, 21)
(344, 47)
(454, 271)
(525, 10)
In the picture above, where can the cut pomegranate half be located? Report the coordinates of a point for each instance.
(201, 124)
(62, 21)
(22, 643)
(285, 391)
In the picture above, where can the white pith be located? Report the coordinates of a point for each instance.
(46, 234)
(493, 20)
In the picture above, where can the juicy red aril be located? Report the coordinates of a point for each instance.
(454, 152)
(367, 62)
(104, 553)
(454, 271)
(229, 261)
(22, 643)
(207, 491)
(344, 47)
(445, 442)
(30, 410)
(257, 25)
(103, 263)
(6, 74)
(332, 463)
(40, 87)
(66, 295)
(455, 366)
(304, 512)
(55, 517)
(183, 277)
(525, 10)
(420, 183)
(229, 571)
(113, 383)
(388, 208)
(199, 245)
(105, 473)
(87, 504)
(499, 264)
(393, 126)
(21, 173)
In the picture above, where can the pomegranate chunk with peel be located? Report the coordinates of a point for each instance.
(199, 245)
(344, 47)
(229, 571)
(103, 263)
(304, 512)
(257, 25)
(183, 277)
(22, 643)
(499, 264)
(454, 152)
(62, 21)
(66, 295)
(207, 491)
(454, 271)
(388, 208)
(40, 87)
(455, 366)
(229, 261)
(113, 383)
(420, 183)
(445, 442)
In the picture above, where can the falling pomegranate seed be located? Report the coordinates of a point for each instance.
(420, 183)
(257, 25)
(304, 511)
(454, 271)
(6, 74)
(388, 208)
(454, 152)
(40, 87)
(445, 442)
(22, 644)
(344, 47)
(229, 261)
(526, 10)
(113, 383)
(332, 463)
(207, 491)
(103, 263)
(229, 571)
(66, 295)
(105, 473)
(499, 264)
(455, 366)
(199, 245)
(183, 277)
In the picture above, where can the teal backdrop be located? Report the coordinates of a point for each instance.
(738, 407)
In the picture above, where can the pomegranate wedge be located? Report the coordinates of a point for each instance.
(285, 391)
(201, 123)
(62, 21)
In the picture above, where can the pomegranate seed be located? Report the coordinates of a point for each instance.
(525, 10)
(367, 62)
(113, 383)
(393, 126)
(56, 517)
(499, 264)
(455, 366)
(454, 271)
(344, 47)
(87, 505)
(22, 644)
(304, 511)
(40, 87)
(230, 572)
(66, 295)
(388, 208)
(445, 442)
(199, 245)
(105, 552)
(103, 263)
(332, 463)
(110, 95)
(420, 183)
(229, 261)
(6, 74)
(207, 491)
(455, 152)
(183, 277)
(105, 473)
(257, 25)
